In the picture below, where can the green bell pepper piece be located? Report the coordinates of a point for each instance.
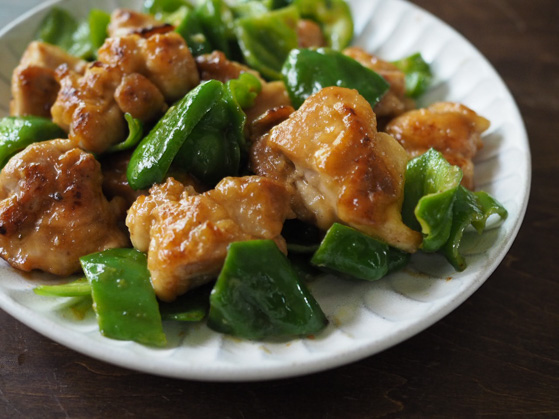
(135, 133)
(123, 298)
(429, 195)
(469, 208)
(216, 20)
(78, 288)
(418, 74)
(250, 8)
(354, 254)
(190, 28)
(161, 8)
(81, 39)
(190, 307)
(57, 28)
(259, 296)
(244, 90)
(307, 71)
(17, 132)
(152, 158)
(333, 16)
(266, 40)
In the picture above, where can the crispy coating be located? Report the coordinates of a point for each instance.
(186, 235)
(338, 167)
(126, 21)
(216, 66)
(394, 102)
(451, 128)
(53, 211)
(163, 58)
(85, 107)
(134, 74)
(34, 84)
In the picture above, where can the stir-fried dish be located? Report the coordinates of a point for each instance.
(206, 162)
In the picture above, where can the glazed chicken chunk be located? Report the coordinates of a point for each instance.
(338, 167)
(138, 74)
(126, 21)
(186, 235)
(451, 128)
(52, 209)
(34, 84)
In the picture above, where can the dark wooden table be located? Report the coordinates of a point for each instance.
(496, 355)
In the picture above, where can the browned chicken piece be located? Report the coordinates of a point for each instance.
(394, 102)
(34, 85)
(52, 209)
(163, 58)
(186, 235)
(451, 128)
(309, 34)
(217, 66)
(125, 21)
(140, 98)
(338, 167)
(272, 97)
(86, 108)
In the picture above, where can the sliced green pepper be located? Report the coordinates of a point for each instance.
(17, 132)
(349, 252)
(135, 132)
(267, 38)
(158, 8)
(469, 208)
(123, 298)
(152, 158)
(190, 307)
(216, 20)
(78, 288)
(259, 296)
(58, 28)
(307, 71)
(333, 16)
(81, 39)
(429, 194)
(418, 74)
(190, 28)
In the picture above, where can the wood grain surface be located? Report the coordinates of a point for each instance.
(496, 355)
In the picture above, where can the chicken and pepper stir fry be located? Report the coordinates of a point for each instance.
(253, 150)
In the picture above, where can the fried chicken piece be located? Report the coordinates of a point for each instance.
(85, 107)
(34, 84)
(217, 66)
(309, 34)
(124, 22)
(52, 209)
(140, 98)
(339, 169)
(394, 102)
(186, 235)
(163, 58)
(451, 128)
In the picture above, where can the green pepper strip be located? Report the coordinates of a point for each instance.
(123, 298)
(258, 295)
(135, 132)
(153, 157)
(417, 72)
(429, 194)
(77, 288)
(17, 132)
(352, 253)
(190, 307)
(307, 71)
(266, 40)
(469, 208)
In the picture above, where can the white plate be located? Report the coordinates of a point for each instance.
(365, 318)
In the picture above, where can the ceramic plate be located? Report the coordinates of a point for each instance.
(365, 318)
